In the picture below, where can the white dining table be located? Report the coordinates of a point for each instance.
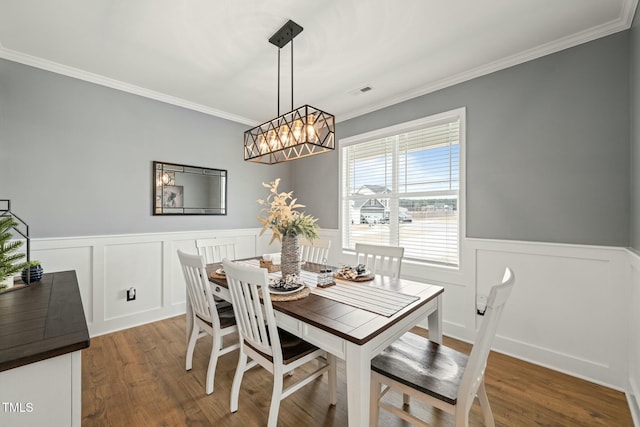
(354, 334)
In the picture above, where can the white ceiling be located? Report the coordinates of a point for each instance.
(213, 56)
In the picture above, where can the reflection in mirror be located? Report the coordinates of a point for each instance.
(188, 190)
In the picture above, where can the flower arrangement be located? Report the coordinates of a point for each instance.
(281, 216)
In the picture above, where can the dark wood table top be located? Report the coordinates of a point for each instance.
(42, 320)
(350, 323)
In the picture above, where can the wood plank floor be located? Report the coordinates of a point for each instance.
(136, 377)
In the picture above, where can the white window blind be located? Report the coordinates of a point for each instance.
(403, 190)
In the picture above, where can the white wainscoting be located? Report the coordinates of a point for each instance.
(571, 309)
(107, 266)
(633, 394)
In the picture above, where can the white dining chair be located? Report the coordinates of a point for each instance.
(316, 251)
(383, 260)
(438, 375)
(215, 250)
(207, 318)
(275, 349)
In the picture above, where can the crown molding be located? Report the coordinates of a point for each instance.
(622, 23)
(76, 73)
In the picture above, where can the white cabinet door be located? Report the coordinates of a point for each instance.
(42, 393)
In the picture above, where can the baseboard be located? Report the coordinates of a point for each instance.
(634, 408)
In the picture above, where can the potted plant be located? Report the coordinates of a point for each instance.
(9, 259)
(287, 225)
(35, 271)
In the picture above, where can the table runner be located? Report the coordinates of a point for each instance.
(370, 298)
(376, 300)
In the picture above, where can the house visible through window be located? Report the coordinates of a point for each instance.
(401, 185)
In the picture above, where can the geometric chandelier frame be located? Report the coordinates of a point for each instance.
(302, 132)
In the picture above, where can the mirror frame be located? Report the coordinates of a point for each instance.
(168, 170)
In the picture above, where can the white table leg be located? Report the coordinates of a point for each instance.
(358, 372)
(435, 322)
(332, 379)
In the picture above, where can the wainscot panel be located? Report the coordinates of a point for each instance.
(568, 308)
(64, 258)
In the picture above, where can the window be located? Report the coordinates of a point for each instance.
(401, 187)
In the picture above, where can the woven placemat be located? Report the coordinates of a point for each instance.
(357, 279)
(302, 293)
(269, 266)
(215, 275)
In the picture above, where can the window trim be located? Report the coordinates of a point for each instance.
(432, 120)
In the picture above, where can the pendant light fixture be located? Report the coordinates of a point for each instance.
(299, 133)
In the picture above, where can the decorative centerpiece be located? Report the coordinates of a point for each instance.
(9, 264)
(287, 225)
(290, 283)
(358, 273)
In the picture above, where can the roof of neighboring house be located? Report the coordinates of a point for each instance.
(369, 203)
(374, 189)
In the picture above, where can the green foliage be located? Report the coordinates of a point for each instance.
(9, 259)
(281, 216)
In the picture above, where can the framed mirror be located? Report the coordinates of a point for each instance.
(188, 190)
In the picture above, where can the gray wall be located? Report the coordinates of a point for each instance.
(75, 157)
(635, 133)
(547, 152)
(547, 148)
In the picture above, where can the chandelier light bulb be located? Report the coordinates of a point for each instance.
(297, 130)
(311, 131)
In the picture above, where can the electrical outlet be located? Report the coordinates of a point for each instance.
(131, 294)
(481, 304)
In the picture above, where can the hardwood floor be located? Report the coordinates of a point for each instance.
(136, 377)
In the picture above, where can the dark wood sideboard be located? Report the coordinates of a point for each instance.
(42, 332)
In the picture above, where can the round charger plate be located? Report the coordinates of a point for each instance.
(280, 291)
(301, 293)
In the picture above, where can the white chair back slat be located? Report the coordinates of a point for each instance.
(215, 250)
(383, 260)
(316, 251)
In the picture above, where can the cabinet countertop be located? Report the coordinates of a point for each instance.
(45, 319)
